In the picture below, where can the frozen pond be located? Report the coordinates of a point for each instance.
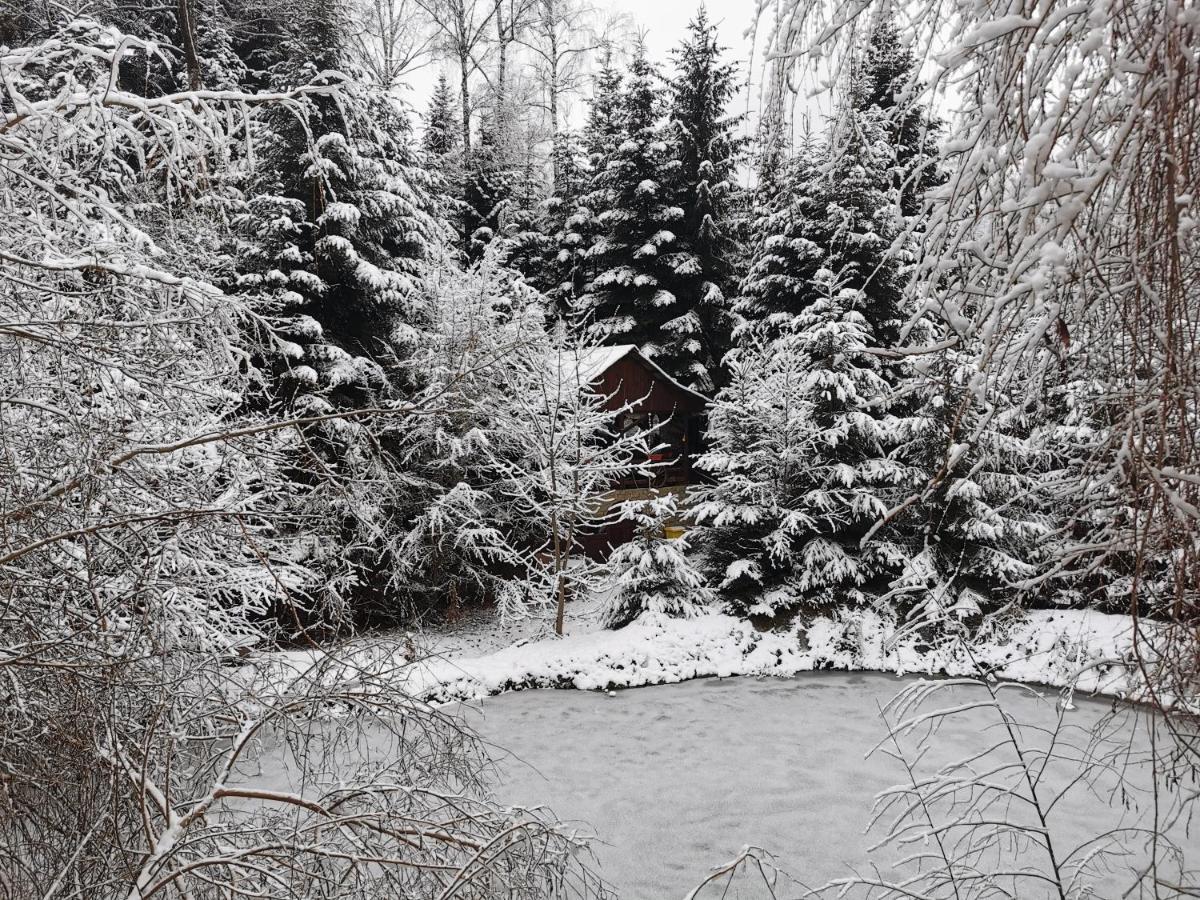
(676, 779)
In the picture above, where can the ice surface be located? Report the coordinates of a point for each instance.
(675, 779)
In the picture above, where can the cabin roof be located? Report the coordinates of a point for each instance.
(594, 362)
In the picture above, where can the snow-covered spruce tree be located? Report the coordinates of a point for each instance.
(333, 236)
(572, 224)
(839, 217)
(361, 216)
(441, 123)
(849, 202)
(1061, 408)
(567, 219)
(491, 185)
(652, 572)
(886, 81)
(1091, 235)
(823, 303)
(572, 459)
(798, 453)
(971, 540)
(458, 536)
(550, 251)
(1072, 421)
(636, 256)
(975, 534)
(605, 120)
(757, 440)
(538, 240)
(709, 152)
(763, 217)
(786, 245)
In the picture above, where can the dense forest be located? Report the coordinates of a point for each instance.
(290, 355)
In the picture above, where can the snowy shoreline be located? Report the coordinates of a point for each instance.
(1083, 650)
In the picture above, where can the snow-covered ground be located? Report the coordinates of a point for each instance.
(1057, 648)
(675, 780)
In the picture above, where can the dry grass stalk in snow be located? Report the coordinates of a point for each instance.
(995, 823)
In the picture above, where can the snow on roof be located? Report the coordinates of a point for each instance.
(595, 361)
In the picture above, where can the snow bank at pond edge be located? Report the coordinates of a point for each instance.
(1057, 648)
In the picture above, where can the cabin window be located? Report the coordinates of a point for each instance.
(634, 423)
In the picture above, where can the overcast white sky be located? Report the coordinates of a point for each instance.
(664, 22)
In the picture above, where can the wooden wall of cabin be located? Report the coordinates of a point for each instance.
(630, 379)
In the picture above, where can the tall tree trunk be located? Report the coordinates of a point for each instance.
(502, 40)
(187, 40)
(465, 88)
(554, 90)
(560, 582)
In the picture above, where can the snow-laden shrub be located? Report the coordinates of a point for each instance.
(151, 518)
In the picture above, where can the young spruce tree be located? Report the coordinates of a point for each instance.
(788, 522)
(652, 572)
(973, 533)
(441, 125)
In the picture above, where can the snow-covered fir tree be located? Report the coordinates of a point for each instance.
(834, 213)
(333, 234)
(709, 151)
(566, 220)
(458, 539)
(550, 250)
(786, 241)
(441, 136)
(886, 81)
(821, 306)
(490, 187)
(847, 202)
(1085, 511)
(969, 519)
(605, 121)
(652, 573)
(571, 222)
(798, 454)
(755, 442)
(359, 212)
(636, 256)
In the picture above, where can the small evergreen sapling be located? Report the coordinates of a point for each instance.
(652, 573)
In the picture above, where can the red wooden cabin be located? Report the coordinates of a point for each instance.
(676, 413)
(660, 403)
